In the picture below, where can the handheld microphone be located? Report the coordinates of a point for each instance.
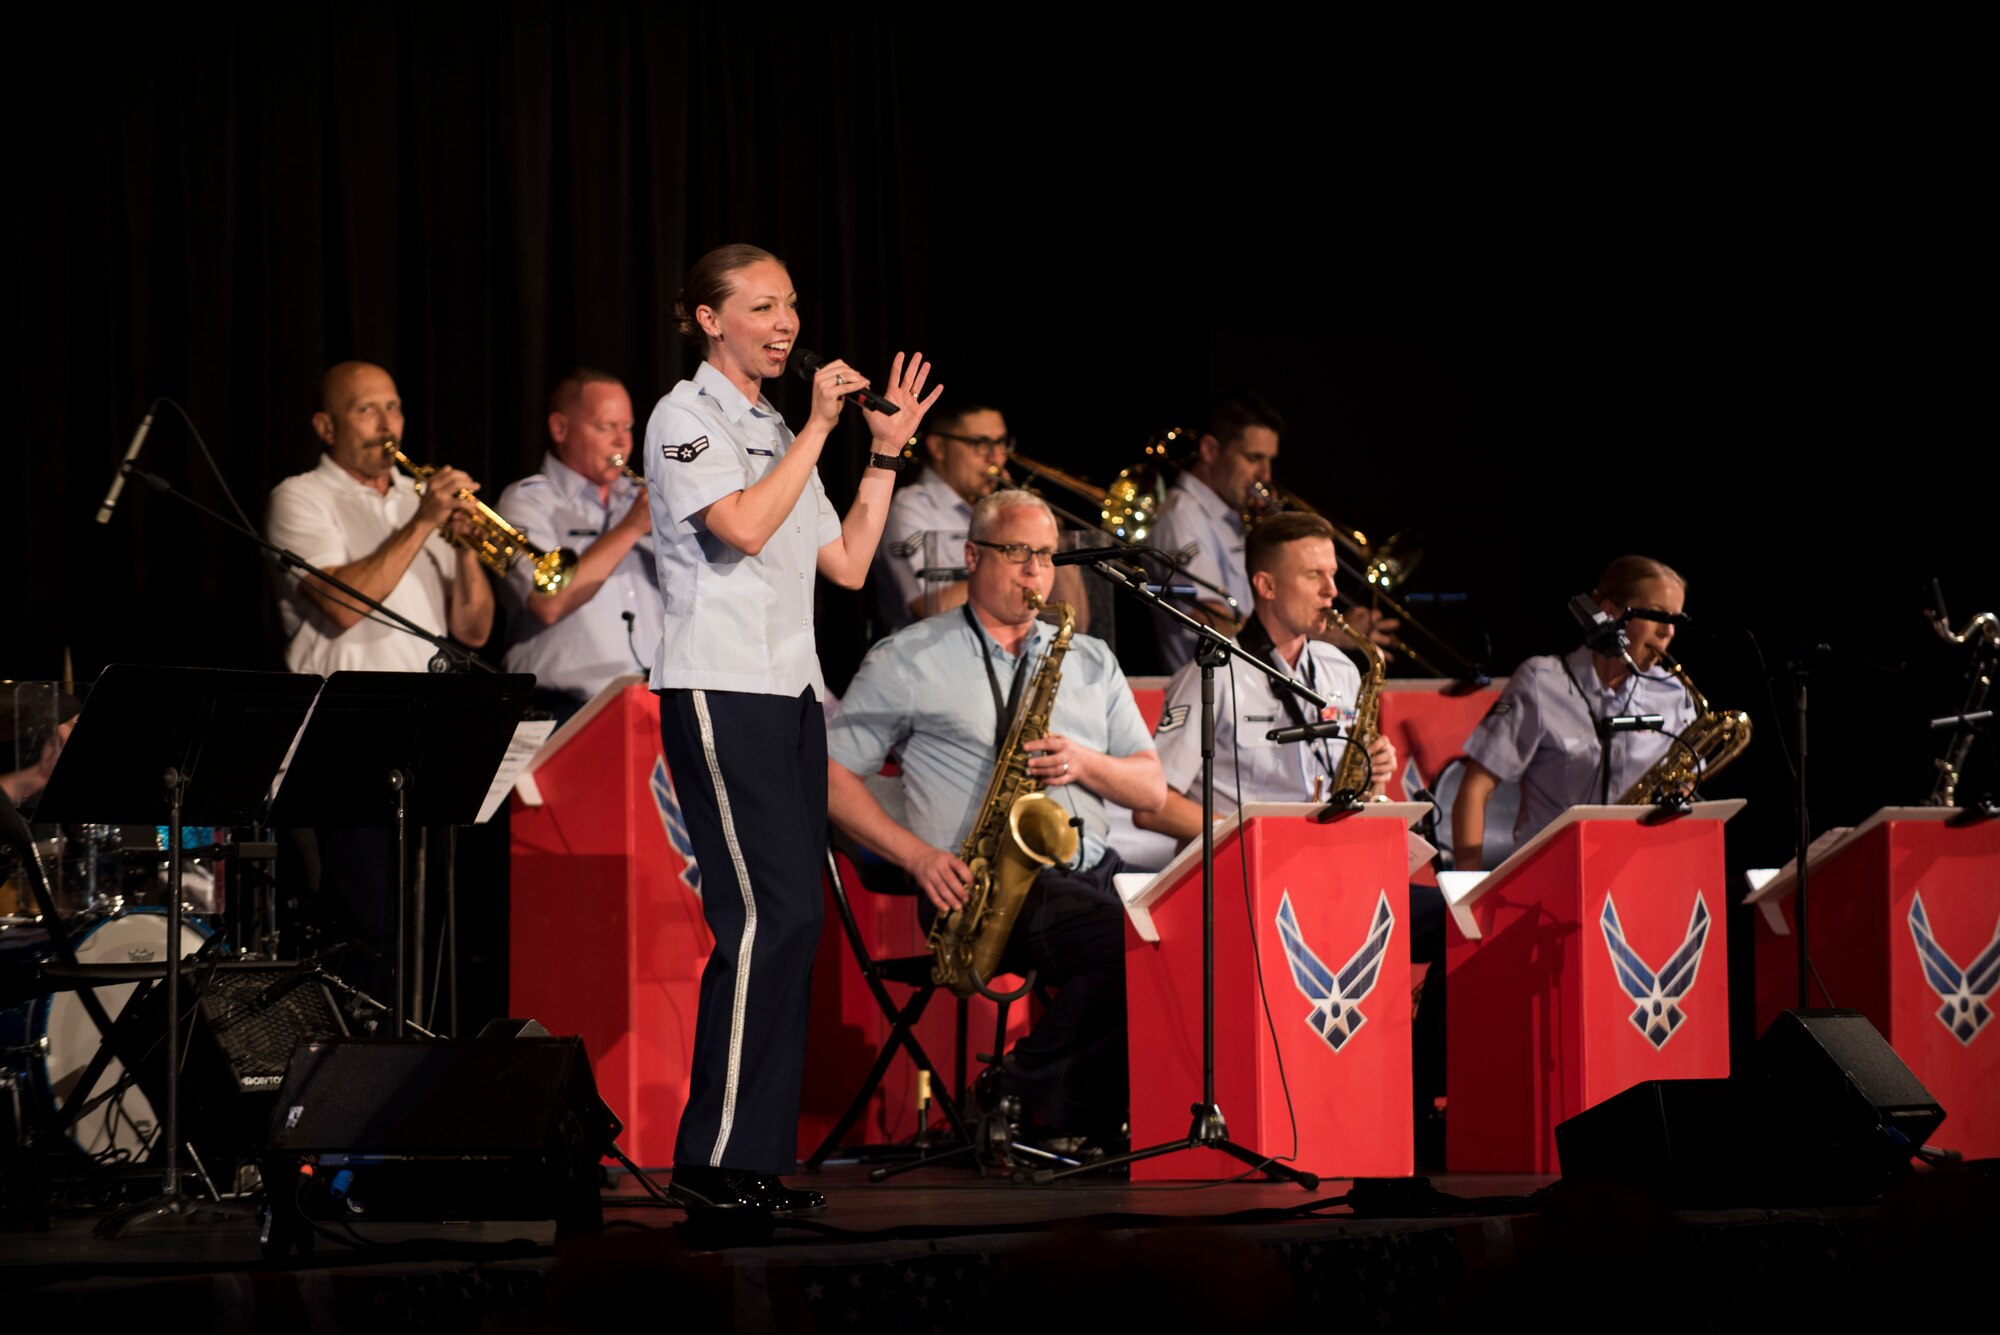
(291, 980)
(131, 454)
(807, 364)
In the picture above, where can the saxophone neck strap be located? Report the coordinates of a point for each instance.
(1004, 708)
(1256, 638)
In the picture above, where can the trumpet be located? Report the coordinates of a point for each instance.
(618, 462)
(497, 543)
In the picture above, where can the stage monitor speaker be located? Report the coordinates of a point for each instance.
(1828, 1114)
(1681, 1140)
(452, 1129)
(1844, 1112)
(244, 1018)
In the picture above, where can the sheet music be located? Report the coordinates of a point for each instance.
(523, 747)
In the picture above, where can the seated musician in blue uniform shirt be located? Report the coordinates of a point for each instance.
(941, 694)
(1543, 728)
(606, 620)
(964, 452)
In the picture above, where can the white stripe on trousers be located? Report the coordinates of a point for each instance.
(748, 943)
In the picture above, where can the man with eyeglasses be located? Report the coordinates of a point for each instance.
(963, 455)
(942, 694)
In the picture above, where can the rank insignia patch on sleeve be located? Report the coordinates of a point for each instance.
(1172, 719)
(684, 454)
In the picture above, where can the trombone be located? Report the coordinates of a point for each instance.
(493, 540)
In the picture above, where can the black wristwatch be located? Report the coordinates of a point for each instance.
(893, 462)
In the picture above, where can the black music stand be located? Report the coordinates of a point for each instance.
(384, 749)
(168, 745)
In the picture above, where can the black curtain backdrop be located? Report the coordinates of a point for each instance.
(1712, 302)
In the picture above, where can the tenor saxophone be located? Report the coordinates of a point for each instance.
(1018, 832)
(1352, 774)
(1711, 741)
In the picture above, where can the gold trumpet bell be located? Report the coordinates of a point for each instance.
(1132, 503)
(554, 570)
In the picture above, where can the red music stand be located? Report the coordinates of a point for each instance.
(1593, 958)
(606, 939)
(1905, 929)
(1318, 896)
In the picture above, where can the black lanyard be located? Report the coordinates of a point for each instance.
(1604, 739)
(1256, 638)
(1003, 710)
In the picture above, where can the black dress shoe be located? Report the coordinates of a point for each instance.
(732, 1189)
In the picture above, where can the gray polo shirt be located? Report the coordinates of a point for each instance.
(1543, 732)
(924, 693)
(1193, 513)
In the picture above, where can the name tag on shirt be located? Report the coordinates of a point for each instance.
(583, 533)
(752, 449)
(1260, 718)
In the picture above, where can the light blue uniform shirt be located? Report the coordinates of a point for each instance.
(1245, 713)
(924, 693)
(559, 507)
(1193, 513)
(926, 505)
(1543, 732)
(733, 622)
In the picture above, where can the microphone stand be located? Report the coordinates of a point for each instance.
(1208, 1130)
(458, 657)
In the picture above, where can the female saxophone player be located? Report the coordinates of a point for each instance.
(1543, 730)
(740, 525)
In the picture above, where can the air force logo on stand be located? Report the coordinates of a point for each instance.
(1334, 1016)
(674, 823)
(1967, 993)
(1659, 994)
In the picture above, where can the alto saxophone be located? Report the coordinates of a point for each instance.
(1707, 744)
(1353, 773)
(1018, 832)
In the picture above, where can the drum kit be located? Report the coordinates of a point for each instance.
(88, 926)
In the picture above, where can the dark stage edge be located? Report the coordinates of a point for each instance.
(946, 1252)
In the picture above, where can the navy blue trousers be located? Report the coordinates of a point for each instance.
(750, 772)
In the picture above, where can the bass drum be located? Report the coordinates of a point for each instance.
(51, 1039)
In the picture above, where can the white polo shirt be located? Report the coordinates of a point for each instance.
(331, 518)
(732, 621)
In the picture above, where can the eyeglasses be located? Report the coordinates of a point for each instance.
(981, 444)
(1019, 552)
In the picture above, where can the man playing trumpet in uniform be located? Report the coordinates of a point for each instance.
(606, 617)
(943, 693)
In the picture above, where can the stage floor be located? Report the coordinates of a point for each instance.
(941, 1250)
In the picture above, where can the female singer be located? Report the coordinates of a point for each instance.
(1543, 730)
(740, 523)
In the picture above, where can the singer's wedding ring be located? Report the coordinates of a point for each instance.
(839, 379)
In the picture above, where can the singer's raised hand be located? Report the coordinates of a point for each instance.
(906, 391)
(832, 383)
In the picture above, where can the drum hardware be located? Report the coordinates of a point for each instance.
(1982, 632)
(497, 543)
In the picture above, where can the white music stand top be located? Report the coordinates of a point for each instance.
(1462, 889)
